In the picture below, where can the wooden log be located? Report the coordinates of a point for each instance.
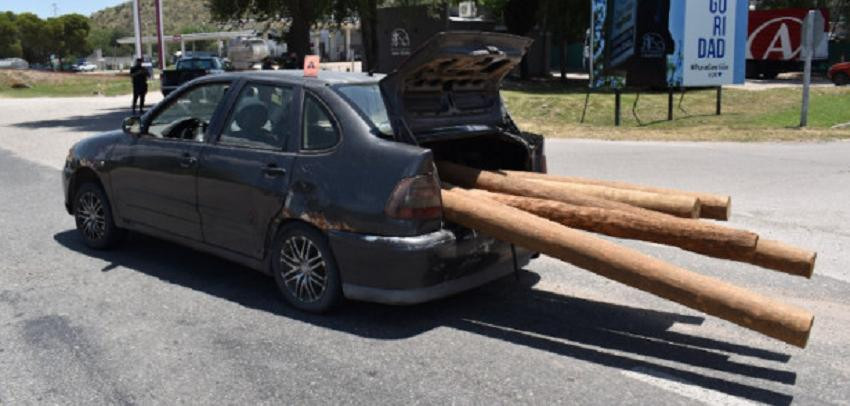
(708, 295)
(677, 205)
(712, 206)
(472, 178)
(701, 237)
(784, 258)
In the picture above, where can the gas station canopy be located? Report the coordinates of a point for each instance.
(200, 36)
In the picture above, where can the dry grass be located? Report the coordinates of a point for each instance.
(61, 84)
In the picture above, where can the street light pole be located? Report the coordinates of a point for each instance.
(159, 34)
(137, 28)
(809, 50)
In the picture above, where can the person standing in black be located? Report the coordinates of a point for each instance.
(139, 76)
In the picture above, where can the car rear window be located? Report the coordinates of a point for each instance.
(368, 100)
(199, 64)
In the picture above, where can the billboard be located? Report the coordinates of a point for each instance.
(660, 43)
(775, 35)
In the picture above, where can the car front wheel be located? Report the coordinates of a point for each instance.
(305, 270)
(841, 79)
(93, 217)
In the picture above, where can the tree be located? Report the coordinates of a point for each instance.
(10, 44)
(367, 12)
(75, 32)
(566, 20)
(106, 39)
(35, 39)
(302, 14)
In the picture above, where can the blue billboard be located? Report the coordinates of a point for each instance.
(675, 43)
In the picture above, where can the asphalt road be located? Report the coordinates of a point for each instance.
(152, 322)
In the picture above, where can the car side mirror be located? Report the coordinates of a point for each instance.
(132, 125)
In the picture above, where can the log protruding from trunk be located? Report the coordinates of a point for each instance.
(708, 295)
(697, 236)
(472, 178)
(702, 237)
(784, 258)
(712, 206)
(676, 205)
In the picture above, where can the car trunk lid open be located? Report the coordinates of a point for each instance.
(452, 81)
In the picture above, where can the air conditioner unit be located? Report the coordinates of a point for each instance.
(467, 9)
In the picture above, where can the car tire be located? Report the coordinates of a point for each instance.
(93, 216)
(841, 79)
(305, 270)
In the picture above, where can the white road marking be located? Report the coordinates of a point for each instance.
(684, 388)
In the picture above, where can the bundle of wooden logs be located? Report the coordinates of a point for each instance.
(542, 213)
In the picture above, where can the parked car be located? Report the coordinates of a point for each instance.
(84, 67)
(147, 63)
(188, 69)
(13, 63)
(328, 183)
(839, 73)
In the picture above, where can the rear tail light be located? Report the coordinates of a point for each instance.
(416, 198)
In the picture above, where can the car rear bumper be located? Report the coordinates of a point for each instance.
(409, 270)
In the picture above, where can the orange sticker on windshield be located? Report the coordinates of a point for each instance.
(311, 65)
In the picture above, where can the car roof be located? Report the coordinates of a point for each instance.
(296, 76)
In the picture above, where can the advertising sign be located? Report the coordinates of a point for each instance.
(676, 43)
(623, 31)
(713, 42)
(775, 35)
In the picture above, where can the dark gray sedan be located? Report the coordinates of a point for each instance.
(327, 183)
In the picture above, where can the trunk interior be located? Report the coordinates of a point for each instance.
(488, 151)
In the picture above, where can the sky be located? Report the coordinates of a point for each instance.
(44, 8)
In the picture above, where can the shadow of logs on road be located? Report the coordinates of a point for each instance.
(103, 120)
(507, 310)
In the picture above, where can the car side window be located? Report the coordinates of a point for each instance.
(261, 118)
(188, 116)
(319, 129)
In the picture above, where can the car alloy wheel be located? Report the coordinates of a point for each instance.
(303, 269)
(91, 214)
(93, 217)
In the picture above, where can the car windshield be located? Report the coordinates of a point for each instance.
(368, 99)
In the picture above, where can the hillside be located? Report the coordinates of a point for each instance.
(180, 16)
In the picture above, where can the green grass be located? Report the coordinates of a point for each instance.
(555, 110)
(50, 84)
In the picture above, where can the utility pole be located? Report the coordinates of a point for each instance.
(809, 50)
(137, 27)
(159, 34)
(55, 9)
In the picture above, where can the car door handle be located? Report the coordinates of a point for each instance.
(188, 161)
(273, 170)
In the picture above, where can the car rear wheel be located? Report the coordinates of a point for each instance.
(93, 217)
(305, 270)
(841, 79)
